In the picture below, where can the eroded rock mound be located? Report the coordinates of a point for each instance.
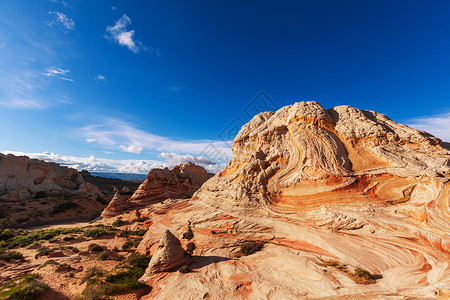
(178, 183)
(169, 255)
(303, 153)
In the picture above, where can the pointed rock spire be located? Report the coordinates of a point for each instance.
(169, 254)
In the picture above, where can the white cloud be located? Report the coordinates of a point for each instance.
(113, 8)
(181, 159)
(438, 125)
(57, 72)
(131, 149)
(100, 77)
(116, 133)
(60, 19)
(122, 36)
(94, 164)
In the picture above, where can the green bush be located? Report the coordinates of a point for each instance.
(92, 272)
(189, 234)
(10, 255)
(141, 219)
(184, 269)
(95, 248)
(190, 247)
(139, 232)
(131, 244)
(48, 262)
(95, 233)
(251, 247)
(360, 272)
(43, 251)
(103, 256)
(124, 278)
(23, 287)
(117, 223)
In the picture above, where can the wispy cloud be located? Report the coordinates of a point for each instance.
(113, 8)
(181, 159)
(438, 125)
(21, 90)
(57, 72)
(100, 77)
(94, 164)
(121, 35)
(60, 19)
(124, 136)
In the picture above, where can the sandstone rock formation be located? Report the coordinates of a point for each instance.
(27, 181)
(169, 255)
(179, 182)
(320, 188)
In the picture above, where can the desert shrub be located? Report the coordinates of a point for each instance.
(251, 247)
(115, 249)
(92, 272)
(43, 251)
(10, 255)
(139, 261)
(48, 262)
(63, 207)
(23, 287)
(40, 194)
(141, 219)
(63, 268)
(95, 233)
(95, 248)
(103, 256)
(184, 269)
(117, 223)
(190, 247)
(188, 235)
(68, 238)
(23, 203)
(131, 244)
(360, 272)
(139, 232)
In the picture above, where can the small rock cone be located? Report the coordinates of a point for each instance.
(169, 254)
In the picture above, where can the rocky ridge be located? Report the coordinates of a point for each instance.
(32, 188)
(180, 182)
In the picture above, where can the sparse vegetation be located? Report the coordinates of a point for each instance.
(184, 269)
(131, 244)
(23, 287)
(8, 255)
(190, 247)
(20, 238)
(360, 275)
(48, 262)
(124, 277)
(43, 251)
(189, 234)
(103, 256)
(141, 219)
(95, 248)
(251, 247)
(117, 223)
(95, 233)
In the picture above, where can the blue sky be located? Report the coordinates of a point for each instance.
(129, 85)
